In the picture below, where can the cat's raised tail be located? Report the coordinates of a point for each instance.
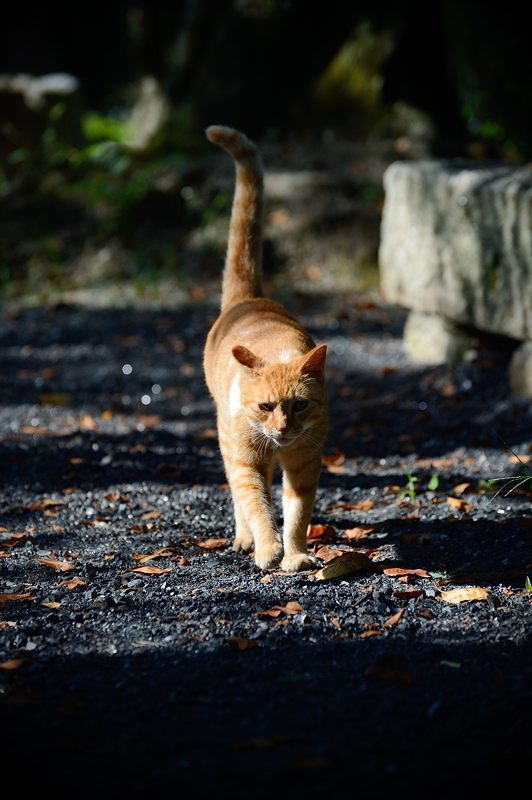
(242, 277)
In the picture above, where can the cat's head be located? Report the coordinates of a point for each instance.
(286, 400)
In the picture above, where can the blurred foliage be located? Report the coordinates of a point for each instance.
(349, 92)
(452, 77)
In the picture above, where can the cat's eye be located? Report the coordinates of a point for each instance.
(300, 405)
(266, 406)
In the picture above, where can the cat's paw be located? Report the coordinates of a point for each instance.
(298, 561)
(268, 557)
(243, 543)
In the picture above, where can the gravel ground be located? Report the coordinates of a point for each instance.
(204, 675)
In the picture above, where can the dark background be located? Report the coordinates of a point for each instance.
(451, 75)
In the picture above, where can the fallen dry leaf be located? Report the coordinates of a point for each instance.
(359, 532)
(71, 583)
(421, 573)
(60, 566)
(50, 604)
(240, 642)
(150, 515)
(13, 663)
(460, 488)
(327, 553)
(164, 551)
(458, 503)
(346, 564)
(14, 539)
(4, 598)
(212, 544)
(362, 505)
(151, 570)
(465, 594)
(394, 619)
(372, 630)
(323, 532)
(46, 504)
(292, 607)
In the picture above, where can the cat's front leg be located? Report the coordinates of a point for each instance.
(301, 472)
(243, 536)
(251, 497)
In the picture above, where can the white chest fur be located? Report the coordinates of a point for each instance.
(234, 396)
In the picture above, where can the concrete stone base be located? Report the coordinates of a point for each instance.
(521, 371)
(432, 339)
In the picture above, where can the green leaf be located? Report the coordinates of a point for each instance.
(434, 482)
(528, 584)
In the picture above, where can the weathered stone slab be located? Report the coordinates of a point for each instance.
(456, 240)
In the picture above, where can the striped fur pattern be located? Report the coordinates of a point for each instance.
(266, 376)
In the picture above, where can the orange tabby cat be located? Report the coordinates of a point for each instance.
(266, 377)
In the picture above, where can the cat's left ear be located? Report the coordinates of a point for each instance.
(247, 358)
(314, 362)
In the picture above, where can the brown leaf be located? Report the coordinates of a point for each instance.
(71, 583)
(359, 532)
(60, 566)
(371, 630)
(13, 663)
(460, 488)
(346, 564)
(151, 570)
(240, 642)
(164, 551)
(150, 515)
(291, 607)
(46, 504)
(394, 619)
(465, 594)
(4, 598)
(50, 604)
(14, 539)
(212, 544)
(323, 532)
(421, 573)
(327, 553)
(458, 503)
(362, 505)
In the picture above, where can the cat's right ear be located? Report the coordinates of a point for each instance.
(248, 359)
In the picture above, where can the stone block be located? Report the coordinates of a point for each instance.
(456, 240)
(456, 249)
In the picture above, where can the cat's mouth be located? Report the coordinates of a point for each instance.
(283, 441)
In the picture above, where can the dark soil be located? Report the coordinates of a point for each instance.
(134, 682)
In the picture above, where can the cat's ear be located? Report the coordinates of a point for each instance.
(314, 362)
(248, 359)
